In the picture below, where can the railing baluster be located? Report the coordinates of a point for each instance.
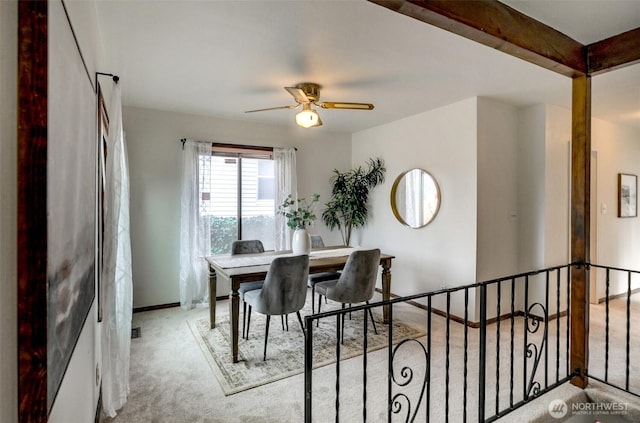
(390, 364)
(606, 327)
(546, 319)
(339, 318)
(364, 362)
(482, 356)
(568, 360)
(558, 325)
(308, 369)
(628, 328)
(466, 354)
(448, 335)
(512, 318)
(428, 358)
(525, 393)
(499, 299)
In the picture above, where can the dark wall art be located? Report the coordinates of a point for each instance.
(627, 195)
(57, 212)
(71, 199)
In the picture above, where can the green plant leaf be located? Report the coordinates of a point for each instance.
(348, 208)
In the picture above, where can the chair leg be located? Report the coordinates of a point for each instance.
(319, 303)
(248, 322)
(244, 317)
(301, 324)
(373, 321)
(313, 299)
(342, 328)
(282, 321)
(266, 336)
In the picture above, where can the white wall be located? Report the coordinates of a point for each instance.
(155, 163)
(497, 245)
(504, 177)
(497, 252)
(544, 133)
(618, 150)
(531, 197)
(443, 142)
(557, 171)
(8, 212)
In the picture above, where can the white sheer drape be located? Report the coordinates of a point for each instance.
(195, 233)
(286, 183)
(116, 274)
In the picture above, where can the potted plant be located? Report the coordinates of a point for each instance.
(348, 208)
(299, 215)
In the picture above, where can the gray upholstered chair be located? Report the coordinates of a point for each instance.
(314, 278)
(356, 284)
(284, 291)
(316, 241)
(249, 246)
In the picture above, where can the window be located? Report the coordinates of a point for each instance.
(237, 196)
(266, 180)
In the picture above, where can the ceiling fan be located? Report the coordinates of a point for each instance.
(307, 94)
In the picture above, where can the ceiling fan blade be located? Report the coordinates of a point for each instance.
(272, 108)
(344, 105)
(298, 94)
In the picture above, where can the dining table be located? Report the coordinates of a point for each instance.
(242, 268)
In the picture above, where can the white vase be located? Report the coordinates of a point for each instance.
(301, 242)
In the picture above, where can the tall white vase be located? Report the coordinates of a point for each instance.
(301, 242)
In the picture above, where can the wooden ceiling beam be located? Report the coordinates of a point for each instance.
(499, 26)
(614, 52)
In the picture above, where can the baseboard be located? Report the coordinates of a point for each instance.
(155, 307)
(621, 295)
(169, 305)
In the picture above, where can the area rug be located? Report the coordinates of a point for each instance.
(285, 350)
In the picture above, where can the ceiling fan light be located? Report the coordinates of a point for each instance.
(308, 117)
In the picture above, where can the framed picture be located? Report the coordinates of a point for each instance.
(101, 165)
(627, 195)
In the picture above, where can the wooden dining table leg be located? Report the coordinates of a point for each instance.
(234, 310)
(213, 281)
(386, 288)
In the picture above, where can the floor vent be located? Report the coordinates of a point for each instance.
(135, 333)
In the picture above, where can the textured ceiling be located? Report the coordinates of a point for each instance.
(220, 58)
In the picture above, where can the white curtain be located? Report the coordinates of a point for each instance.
(116, 274)
(195, 234)
(286, 183)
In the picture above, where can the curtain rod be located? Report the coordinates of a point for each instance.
(115, 78)
(219, 144)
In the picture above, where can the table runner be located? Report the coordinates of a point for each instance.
(245, 260)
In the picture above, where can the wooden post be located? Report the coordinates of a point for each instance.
(580, 218)
(32, 210)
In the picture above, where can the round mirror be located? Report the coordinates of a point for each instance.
(415, 198)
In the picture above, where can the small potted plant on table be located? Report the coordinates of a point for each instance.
(299, 215)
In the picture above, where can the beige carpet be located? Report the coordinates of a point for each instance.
(285, 351)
